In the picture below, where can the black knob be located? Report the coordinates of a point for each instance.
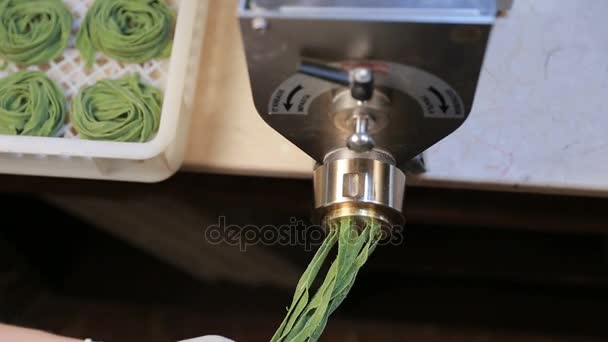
(362, 84)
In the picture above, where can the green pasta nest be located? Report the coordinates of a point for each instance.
(131, 31)
(31, 104)
(33, 31)
(124, 110)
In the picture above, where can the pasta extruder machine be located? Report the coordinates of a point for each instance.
(365, 87)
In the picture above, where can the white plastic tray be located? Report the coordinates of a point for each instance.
(68, 156)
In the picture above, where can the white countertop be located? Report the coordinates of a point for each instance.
(539, 122)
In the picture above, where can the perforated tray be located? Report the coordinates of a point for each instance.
(68, 156)
(69, 69)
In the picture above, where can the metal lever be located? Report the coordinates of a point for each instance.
(324, 72)
(360, 80)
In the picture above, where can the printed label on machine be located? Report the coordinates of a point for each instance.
(435, 96)
(437, 99)
(294, 96)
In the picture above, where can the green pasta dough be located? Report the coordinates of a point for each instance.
(31, 104)
(33, 31)
(131, 31)
(125, 110)
(308, 314)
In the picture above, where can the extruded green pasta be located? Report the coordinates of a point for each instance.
(31, 104)
(125, 110)
(308, 314)
(132, 31)
(33, 31)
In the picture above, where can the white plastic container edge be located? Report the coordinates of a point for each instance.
(153, 161)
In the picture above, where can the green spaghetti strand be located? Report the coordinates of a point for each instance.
(31, 104)
(308, 315)
(33, 31)
(131, 31)
(124, 110)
